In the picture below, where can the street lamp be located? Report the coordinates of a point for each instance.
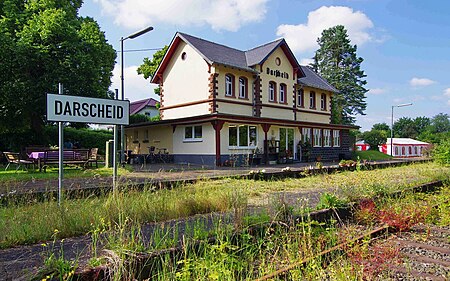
(122, 133)
(392, 121)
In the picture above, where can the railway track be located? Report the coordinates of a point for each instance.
(420, 253)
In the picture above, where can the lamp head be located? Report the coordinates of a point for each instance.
(139, 33)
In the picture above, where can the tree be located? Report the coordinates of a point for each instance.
(337, 62)
(149, 67)
(44, 43)
(381, 127)
(440, 123)
(374, 138)
(404, 128)
(421, 124)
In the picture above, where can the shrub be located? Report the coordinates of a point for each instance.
(441, 152)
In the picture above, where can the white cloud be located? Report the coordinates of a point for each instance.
(219, 14)
(306, 61)
(447, 92)
(303, 37)
(136, 87)
(421, 82)
(376, 91)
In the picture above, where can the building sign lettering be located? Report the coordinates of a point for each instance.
(277, 73)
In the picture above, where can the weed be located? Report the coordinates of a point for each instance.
(330, 201)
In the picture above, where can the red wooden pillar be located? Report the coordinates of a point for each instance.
(266, 128)
(217, 125)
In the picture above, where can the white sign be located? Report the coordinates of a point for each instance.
(87, 110)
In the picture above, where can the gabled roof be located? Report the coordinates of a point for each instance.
(259, 54)
(407, 141)
(137, 106)
(314, 80)
(217, 53)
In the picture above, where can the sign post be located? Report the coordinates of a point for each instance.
(115, 152)
(62, 108)
(61, 151)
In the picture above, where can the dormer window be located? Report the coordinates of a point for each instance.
(272, 91)
(229, 85)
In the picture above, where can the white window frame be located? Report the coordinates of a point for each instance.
(249, 144)
(312, 100)
(336, 138)
(306, 135)
(326, 138)
(317, 136)
(323, 101)
(272, 91)
(282, 92)
(229, 85)
(300, 98)
(193, 138)
(242, 87)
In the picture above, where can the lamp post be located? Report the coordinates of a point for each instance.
(122, 88)
(392, 121)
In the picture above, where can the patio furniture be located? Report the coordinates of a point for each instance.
(14, 158)
(51, 157)
(93, 156)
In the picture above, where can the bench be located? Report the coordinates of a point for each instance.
(70, 157)
(14, 158)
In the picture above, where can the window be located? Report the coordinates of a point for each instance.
(300, 98)
(242, 136)
(183, 56)
(336, 138)
(282, 93)
(242, 87)
(326, 138)
(323, 101)
(229, 85)
(146, 135)
(272, 91)
(317, 134)
(136, 135)
(278, 61)
(193, 133)
(306, 135)
(312, 100)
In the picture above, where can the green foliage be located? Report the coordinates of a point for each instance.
(329, 201)
(44, 43)
(423, 128)
(149, 67)
(141, 118)
(374, 138)
(87, 138)
(381, 127)
(337, 62)
(441, 152)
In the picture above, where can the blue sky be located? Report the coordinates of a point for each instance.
(405, 44)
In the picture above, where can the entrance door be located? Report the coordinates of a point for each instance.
(287, 141)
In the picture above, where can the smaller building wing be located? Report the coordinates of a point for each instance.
(137, 106)
(314, 80)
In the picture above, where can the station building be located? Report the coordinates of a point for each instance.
(220, 105)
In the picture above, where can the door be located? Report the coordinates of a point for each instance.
(287, 141)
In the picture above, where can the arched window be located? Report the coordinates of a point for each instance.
(272, 91)
(323, 101)
(229, 85)
(243, 88)
(300, 98)
(283, 93)
(312, 100)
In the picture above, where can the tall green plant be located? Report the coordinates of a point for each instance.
(337, 62)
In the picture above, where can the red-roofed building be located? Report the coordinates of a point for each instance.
(146, 107)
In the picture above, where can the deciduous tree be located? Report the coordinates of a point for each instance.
(43, 43)
(149, 66)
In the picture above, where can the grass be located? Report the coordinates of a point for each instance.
(371, 155)
(25, 224)
(52, 173)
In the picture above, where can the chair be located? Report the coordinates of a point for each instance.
(93, 155)
(14, 158)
